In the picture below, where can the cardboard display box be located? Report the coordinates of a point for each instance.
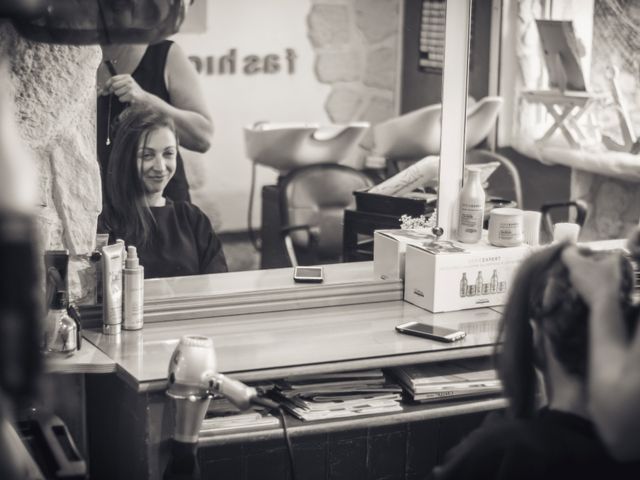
(458, 276)
(389, 247)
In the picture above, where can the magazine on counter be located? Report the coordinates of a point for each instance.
(327, 396)
(453, 379)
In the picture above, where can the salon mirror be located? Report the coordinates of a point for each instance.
(510, 122)
(567, 75)
(291, 61)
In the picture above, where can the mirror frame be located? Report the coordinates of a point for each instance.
(454, 113)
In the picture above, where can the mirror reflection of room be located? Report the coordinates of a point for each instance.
(366, 97)
(567, 78)
(295, 118)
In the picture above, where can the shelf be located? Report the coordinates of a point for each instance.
(410, 413)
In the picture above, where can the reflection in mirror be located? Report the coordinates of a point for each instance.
(567, 79)
(172, 238)
(291, 84)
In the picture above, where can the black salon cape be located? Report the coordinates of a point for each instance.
(553, 445)
(182, 243)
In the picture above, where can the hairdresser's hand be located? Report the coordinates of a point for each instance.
(126, 89)
(613, 381)
(596, 279)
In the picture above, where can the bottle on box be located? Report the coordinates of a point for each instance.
(133, 291)
(471, 208)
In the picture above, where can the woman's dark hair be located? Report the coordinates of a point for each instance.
(126, 212)
(542, 293)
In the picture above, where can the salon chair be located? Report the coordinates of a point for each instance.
(579, 215)
(312, 204)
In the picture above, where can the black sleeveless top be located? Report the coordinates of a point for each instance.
(150, 76)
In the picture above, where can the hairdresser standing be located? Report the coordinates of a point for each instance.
(614, 375)
(159, 76)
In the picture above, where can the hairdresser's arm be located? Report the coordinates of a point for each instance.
(614, 378)
(188, 105)
(187, 108)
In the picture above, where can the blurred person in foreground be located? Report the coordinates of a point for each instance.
(544, 331)
(20, 299)
(614, 362)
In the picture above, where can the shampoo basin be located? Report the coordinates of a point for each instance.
(287, 146)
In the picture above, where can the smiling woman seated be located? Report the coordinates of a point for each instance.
(173, 238)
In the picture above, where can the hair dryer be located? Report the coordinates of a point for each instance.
(192, 380)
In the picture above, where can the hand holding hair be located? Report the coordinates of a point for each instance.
(614, 355)
(126, 89)
(596, 278)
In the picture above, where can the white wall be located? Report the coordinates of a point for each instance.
(220, 178)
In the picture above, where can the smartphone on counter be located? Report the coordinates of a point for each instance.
(308, 274)
(432, 332)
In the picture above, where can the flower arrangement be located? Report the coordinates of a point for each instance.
(408, 222)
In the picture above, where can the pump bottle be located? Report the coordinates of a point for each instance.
(471, 208)
(133, 291)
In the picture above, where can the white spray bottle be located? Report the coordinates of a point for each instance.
(133, 292)
(471, 204)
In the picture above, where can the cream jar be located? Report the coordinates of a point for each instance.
(505, 227)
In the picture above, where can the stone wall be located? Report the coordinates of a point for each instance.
(614, 205)
(54, 92)
(357, 46)
(616, 43)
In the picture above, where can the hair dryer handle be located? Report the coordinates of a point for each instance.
(237, 392)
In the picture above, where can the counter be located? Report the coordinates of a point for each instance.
(265, 327)
(89, 359)
(271, 345)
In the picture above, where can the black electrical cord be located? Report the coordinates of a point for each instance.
(252, 191)
(287, 440)
(274, 406)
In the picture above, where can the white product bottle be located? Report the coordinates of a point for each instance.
(471, 204)
(464, 285)
(133, 292)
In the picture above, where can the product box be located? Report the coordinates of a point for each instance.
(389, 247)
(448, 276)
